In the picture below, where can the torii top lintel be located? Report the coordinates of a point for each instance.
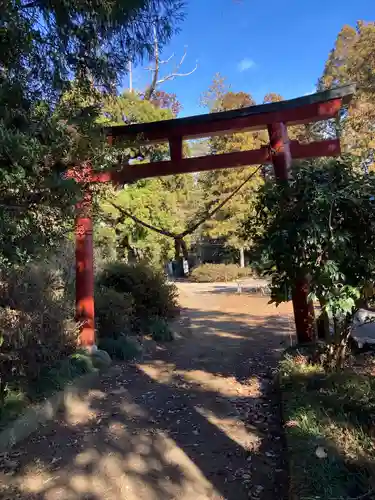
(306, 109)
(302, 110)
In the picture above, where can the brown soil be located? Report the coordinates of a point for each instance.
(195, 420)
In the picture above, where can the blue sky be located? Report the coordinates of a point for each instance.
(260, 47)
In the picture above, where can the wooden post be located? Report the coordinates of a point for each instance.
(175, 149)
(303, 309)
(85, 272)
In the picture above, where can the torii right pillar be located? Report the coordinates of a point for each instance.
(303, 308)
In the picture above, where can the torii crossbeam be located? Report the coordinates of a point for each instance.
(275, 117)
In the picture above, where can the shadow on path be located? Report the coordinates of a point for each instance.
(195, 420)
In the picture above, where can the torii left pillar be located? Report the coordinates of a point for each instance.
(85, 272)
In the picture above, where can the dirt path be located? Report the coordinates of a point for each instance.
(194, 421)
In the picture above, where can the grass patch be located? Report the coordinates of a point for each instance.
(331, 415)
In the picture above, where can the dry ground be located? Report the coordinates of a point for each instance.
(196, 419)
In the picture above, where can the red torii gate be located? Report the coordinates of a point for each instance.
(275, 117)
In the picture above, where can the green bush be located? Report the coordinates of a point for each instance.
(122, 348)
(101, 359)
(113, 312)
(36, 329)
(151, 293)
(55, 378)
(210, 273)
(13, 404)
(160, 330)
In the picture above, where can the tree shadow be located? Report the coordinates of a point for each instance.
(238, 289)
(198, 419)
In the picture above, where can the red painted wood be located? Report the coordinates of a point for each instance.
(85, 272)
(165, 130)
(131, 173)
(303, 309)
(282, 159)
(280, 150)
(329, 147)
(175, 148)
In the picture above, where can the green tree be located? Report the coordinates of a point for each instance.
(44, 43)
(321, 225)
(47, 120)
(149, 201)
(216, 185)
(164, 203)
(353, 60)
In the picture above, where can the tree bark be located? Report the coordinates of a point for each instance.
(184, 249)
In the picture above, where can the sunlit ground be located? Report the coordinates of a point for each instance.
(193, 421)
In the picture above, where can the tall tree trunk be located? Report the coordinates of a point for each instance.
(242, 257)
(185, 252)
(322, 323)
(177, 249)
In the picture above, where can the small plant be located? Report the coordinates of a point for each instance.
(13, 404)
(210, 273)
(121, 348)
(160, 330)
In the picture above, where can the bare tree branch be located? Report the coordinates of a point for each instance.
(151, 89)
(172, 76)
(125, 213)
(166, 61)
(155, 70)
(176, 73)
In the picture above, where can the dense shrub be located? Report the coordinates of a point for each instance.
(210, 273)
(113, 312)
(121, 348)
(36, 329)
(151, 293)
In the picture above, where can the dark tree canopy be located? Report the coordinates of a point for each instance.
(56, 61)
(47, 43)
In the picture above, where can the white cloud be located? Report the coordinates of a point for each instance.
(245, 64)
